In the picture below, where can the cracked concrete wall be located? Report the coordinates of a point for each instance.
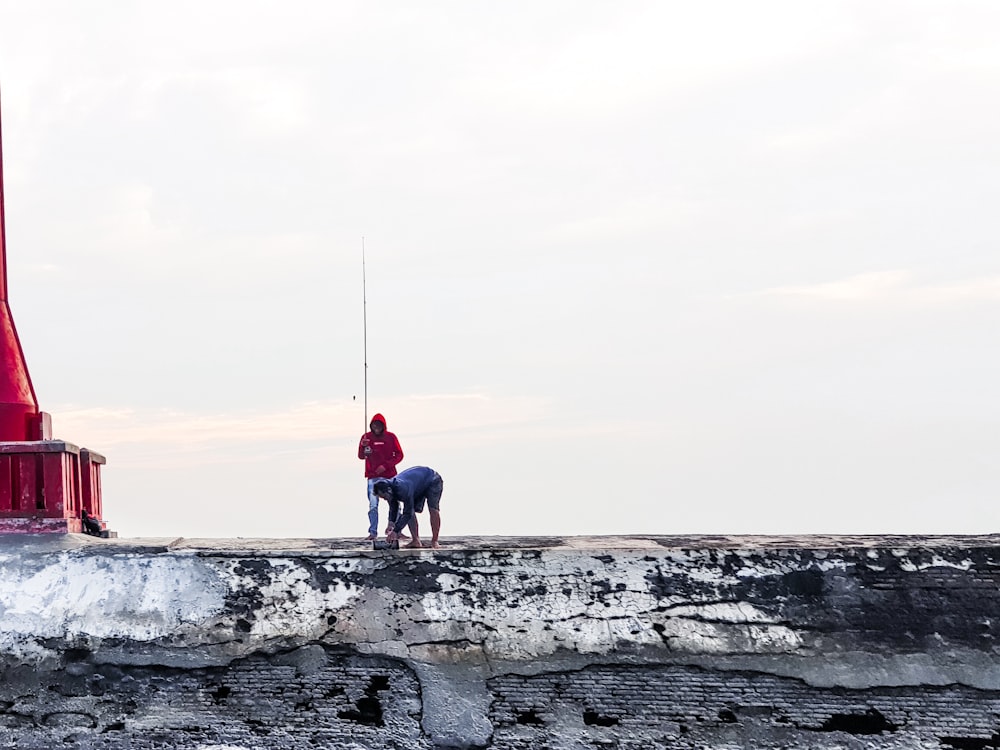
(817, 642)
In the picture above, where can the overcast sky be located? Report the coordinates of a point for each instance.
(651, 267)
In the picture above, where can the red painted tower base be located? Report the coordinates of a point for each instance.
(46, 484)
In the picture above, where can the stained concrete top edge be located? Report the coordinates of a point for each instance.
(241, 546)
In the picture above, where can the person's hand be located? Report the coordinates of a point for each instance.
(391, 536)
(380, 469)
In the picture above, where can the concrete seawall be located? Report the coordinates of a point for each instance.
(597, 642)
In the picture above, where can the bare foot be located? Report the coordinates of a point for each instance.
(371, 538)
(435, 545)
(415, 544)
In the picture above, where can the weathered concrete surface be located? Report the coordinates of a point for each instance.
(793, 642)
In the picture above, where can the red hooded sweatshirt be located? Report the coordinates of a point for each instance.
(386, 451)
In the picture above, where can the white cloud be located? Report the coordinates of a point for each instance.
(897, 288)
(633, 58)
(41, 269)
(638, 216)
(265, 103)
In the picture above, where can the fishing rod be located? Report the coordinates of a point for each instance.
(364, 319)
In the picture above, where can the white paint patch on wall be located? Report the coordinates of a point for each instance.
(105, 596)
(698, 637)
(291, 602)
(595, 604)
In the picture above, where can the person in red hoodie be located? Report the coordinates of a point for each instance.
(380, 451)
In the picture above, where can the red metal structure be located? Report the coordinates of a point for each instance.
(45, 484)
(19, 418)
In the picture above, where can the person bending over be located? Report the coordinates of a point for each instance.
(412, 488)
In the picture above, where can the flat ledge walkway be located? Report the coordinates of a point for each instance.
(352, 546)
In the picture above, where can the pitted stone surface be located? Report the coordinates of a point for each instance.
(579, 642)
(303, 698)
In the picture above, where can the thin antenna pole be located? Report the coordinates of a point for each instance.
(364, 318)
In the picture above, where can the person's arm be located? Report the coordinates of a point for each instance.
(404, 518)
(397, 453)
(364, 447)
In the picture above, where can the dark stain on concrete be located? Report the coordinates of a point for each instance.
(322, 578)
(869, 722)
(970, 743)
(416, 577)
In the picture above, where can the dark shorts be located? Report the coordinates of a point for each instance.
(433, 497)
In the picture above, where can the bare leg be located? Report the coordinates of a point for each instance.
(414, 533)
(435, 527)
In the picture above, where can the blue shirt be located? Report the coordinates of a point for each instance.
(408, 486)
